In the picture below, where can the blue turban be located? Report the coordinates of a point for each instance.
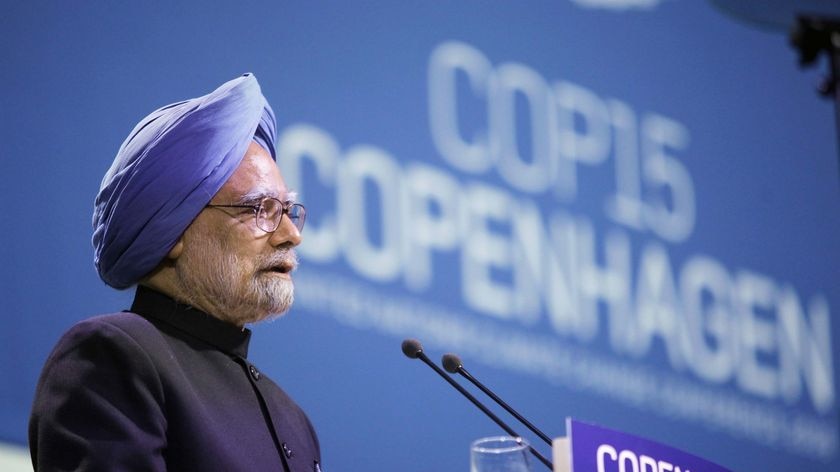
(166, 172)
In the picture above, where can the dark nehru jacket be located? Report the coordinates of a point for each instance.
(163, 387)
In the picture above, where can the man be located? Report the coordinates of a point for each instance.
(195, 212)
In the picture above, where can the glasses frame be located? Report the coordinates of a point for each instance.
(286, 208)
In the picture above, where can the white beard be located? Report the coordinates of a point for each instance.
(239, 290)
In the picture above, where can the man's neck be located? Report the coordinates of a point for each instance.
(164, 280)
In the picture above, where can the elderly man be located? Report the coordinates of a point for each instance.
(194, 211)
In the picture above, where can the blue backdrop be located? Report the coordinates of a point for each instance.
(623, 211)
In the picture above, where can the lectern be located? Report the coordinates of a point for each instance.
(591, 448)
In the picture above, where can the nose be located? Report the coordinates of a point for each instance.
(286, 234)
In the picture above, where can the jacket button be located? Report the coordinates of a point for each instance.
(286, 450)
(254, 372)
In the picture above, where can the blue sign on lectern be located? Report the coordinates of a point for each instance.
(591, 448)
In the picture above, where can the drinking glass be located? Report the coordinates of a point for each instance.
(499, 454)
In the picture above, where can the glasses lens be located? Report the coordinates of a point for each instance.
(271, 212)
(297, 213)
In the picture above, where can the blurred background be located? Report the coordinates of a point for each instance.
(623, 211)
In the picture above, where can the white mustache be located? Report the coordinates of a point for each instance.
(287, 258)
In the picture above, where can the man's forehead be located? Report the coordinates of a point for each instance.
(257, 176)
(252, 194)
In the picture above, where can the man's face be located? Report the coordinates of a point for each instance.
(231, 268)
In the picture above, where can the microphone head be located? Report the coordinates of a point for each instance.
(412, 348)
(452, 363)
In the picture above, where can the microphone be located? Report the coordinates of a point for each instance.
(452, 364)
(414, 350)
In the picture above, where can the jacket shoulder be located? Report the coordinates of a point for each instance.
(122, 331)
(101, 381)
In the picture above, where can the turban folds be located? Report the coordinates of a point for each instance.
(166, 172)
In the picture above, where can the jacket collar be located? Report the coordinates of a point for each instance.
(162, 309)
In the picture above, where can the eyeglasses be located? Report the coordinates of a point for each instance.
(269, 213)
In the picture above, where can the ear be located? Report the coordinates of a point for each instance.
(176, 250)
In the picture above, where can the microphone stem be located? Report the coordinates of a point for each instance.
(468, 376)
(422, 356)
